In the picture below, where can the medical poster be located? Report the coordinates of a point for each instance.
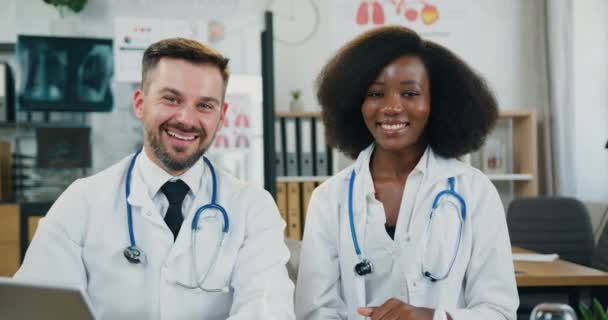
(430, 18)
(133, 35)
(238, 146)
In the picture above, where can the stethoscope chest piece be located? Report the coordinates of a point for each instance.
(133, 254)
(364, 267)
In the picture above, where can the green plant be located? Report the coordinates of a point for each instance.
(295, 94)
(596, 312)
(74, 5)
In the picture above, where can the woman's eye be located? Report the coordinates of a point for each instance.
(410, 93)
(374, 94)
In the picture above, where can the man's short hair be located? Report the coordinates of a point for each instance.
(186, 49)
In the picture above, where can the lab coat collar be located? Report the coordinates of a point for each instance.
(155, 177)
(365, 176)
(431, 165)
(147, 179)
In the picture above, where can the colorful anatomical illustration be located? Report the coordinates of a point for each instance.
(372, 11)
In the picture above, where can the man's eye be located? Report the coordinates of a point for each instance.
(205, 106)
(170, 99)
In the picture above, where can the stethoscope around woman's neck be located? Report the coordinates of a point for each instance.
(135, 255)
(364, 266)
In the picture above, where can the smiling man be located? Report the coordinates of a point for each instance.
(137, 236)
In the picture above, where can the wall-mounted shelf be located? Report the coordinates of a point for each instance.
(298, 114)
(16, 125)
(302, 178)
(6, 47)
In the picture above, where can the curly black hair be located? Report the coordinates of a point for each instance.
(463, 109)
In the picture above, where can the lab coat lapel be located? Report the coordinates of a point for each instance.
(141, 202)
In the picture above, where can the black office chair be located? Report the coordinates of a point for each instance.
(550, 225)
(27, 210)
(600, 262)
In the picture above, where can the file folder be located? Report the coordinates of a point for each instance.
(321, 160)
(306, 137)
(6, 172)
(281, 199)
(307, 189)
(291, 152)
(293, 210)
(279, 135)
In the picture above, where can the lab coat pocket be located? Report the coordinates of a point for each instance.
(420, 292)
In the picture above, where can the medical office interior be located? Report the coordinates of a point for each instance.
(67, 77)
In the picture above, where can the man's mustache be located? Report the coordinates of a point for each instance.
(183, 128)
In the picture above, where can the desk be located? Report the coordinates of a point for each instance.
(556, 276)
(558, 273)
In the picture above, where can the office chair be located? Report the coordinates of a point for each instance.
(552, 225)
(600, 262)
(27, 210)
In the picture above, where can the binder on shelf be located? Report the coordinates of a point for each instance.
(321, 159)
(293, 211)
(281, 199)
(291, 152)
(307, 189)
(306, 158)
(279, 135)
(6, 172)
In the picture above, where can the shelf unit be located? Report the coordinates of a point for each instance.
(520, 154)
(521, 176)
(294, 191)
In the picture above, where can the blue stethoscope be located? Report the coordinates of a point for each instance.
(135, 255)
(364, 266)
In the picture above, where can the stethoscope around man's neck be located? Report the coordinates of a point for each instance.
(364, 266)
(135, 255)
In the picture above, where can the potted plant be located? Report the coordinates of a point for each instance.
(61, 5)
(595, 312)
(295, 104)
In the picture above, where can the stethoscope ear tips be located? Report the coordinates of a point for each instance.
(363, 268)
(133, 254)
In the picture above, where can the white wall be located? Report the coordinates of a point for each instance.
(590, 118)
(501, 39)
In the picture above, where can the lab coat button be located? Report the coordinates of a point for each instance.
(407, 238)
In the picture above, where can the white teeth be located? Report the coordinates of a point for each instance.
(173, 134)
(397, 126)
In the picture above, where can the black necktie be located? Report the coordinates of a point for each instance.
(175, 192)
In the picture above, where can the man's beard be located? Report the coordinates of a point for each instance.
(165, 158)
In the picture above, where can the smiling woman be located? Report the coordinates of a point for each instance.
(434, 241)
(463, 109)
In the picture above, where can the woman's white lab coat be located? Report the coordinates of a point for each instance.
(481, 285)
(81, 241)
